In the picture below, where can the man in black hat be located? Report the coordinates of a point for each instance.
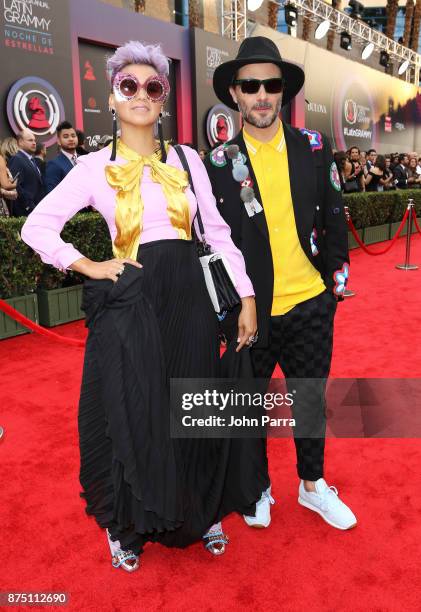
(279, 190)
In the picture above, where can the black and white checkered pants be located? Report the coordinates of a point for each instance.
(301, 343)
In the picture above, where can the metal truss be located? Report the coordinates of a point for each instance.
(234, 25)
(234, 19)
(318, 11)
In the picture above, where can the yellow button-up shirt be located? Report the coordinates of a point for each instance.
(295, 278)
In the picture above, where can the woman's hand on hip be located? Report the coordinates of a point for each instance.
(111, 269)
(247, 323)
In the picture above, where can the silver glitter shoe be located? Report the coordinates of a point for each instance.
(215, 540)
(126, 559)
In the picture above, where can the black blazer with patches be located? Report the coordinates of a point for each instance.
(317, 205)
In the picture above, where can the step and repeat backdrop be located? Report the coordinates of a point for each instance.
(39, 83)
(52, 70)
(95, 90)
(359, 106)
(36, 71)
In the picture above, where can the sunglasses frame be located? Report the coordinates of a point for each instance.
(260, 82)
(123, 76)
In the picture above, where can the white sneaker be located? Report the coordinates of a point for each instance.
(325, 501)
(262, 518)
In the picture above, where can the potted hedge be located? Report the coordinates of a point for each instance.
(40, 291)
(18, 280)
(59, 294)
(378, 214)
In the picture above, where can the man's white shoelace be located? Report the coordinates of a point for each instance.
(266, 496)
(326, 497)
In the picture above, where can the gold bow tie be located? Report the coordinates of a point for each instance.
(129, 206)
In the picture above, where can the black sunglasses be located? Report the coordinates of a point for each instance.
(252, 86)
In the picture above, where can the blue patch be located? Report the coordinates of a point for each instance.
(313, 237)
(341, 278)
(336, 211)
(314, 137)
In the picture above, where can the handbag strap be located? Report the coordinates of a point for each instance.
(186, 167)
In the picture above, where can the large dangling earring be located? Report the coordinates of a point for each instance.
(161, 139)
(114, 149)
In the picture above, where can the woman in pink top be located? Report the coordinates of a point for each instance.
(150, 319)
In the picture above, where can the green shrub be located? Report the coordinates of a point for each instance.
(22, 271)
(376, 208)
(20, 267)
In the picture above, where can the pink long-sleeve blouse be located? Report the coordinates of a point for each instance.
(86, 184)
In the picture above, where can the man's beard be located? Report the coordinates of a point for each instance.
(264, 122)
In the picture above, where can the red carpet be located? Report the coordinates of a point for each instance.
(48, 544)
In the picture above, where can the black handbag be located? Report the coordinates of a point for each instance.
(219, 277)
(351, 186)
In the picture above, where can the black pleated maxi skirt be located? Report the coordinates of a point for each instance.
(151, 325)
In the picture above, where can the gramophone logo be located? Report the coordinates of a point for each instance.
(350, 110)
(89, 72)
(219, 124)
(35, 104)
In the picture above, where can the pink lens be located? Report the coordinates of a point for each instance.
(128, 87)
(154, 89)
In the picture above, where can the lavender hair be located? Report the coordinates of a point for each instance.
(135, 52)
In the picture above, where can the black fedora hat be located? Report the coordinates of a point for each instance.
(257, 50)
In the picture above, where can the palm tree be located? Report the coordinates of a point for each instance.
(392, 8)
(139, 6)
(416, 22)
(273, 9)
(306, 28)
(409, 11)
(194, 13)
(336, 4)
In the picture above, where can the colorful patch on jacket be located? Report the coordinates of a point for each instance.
(334, 177)
(247, 183)
(218, 158)
(313, 237)
(314, 137)
(341, 278)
